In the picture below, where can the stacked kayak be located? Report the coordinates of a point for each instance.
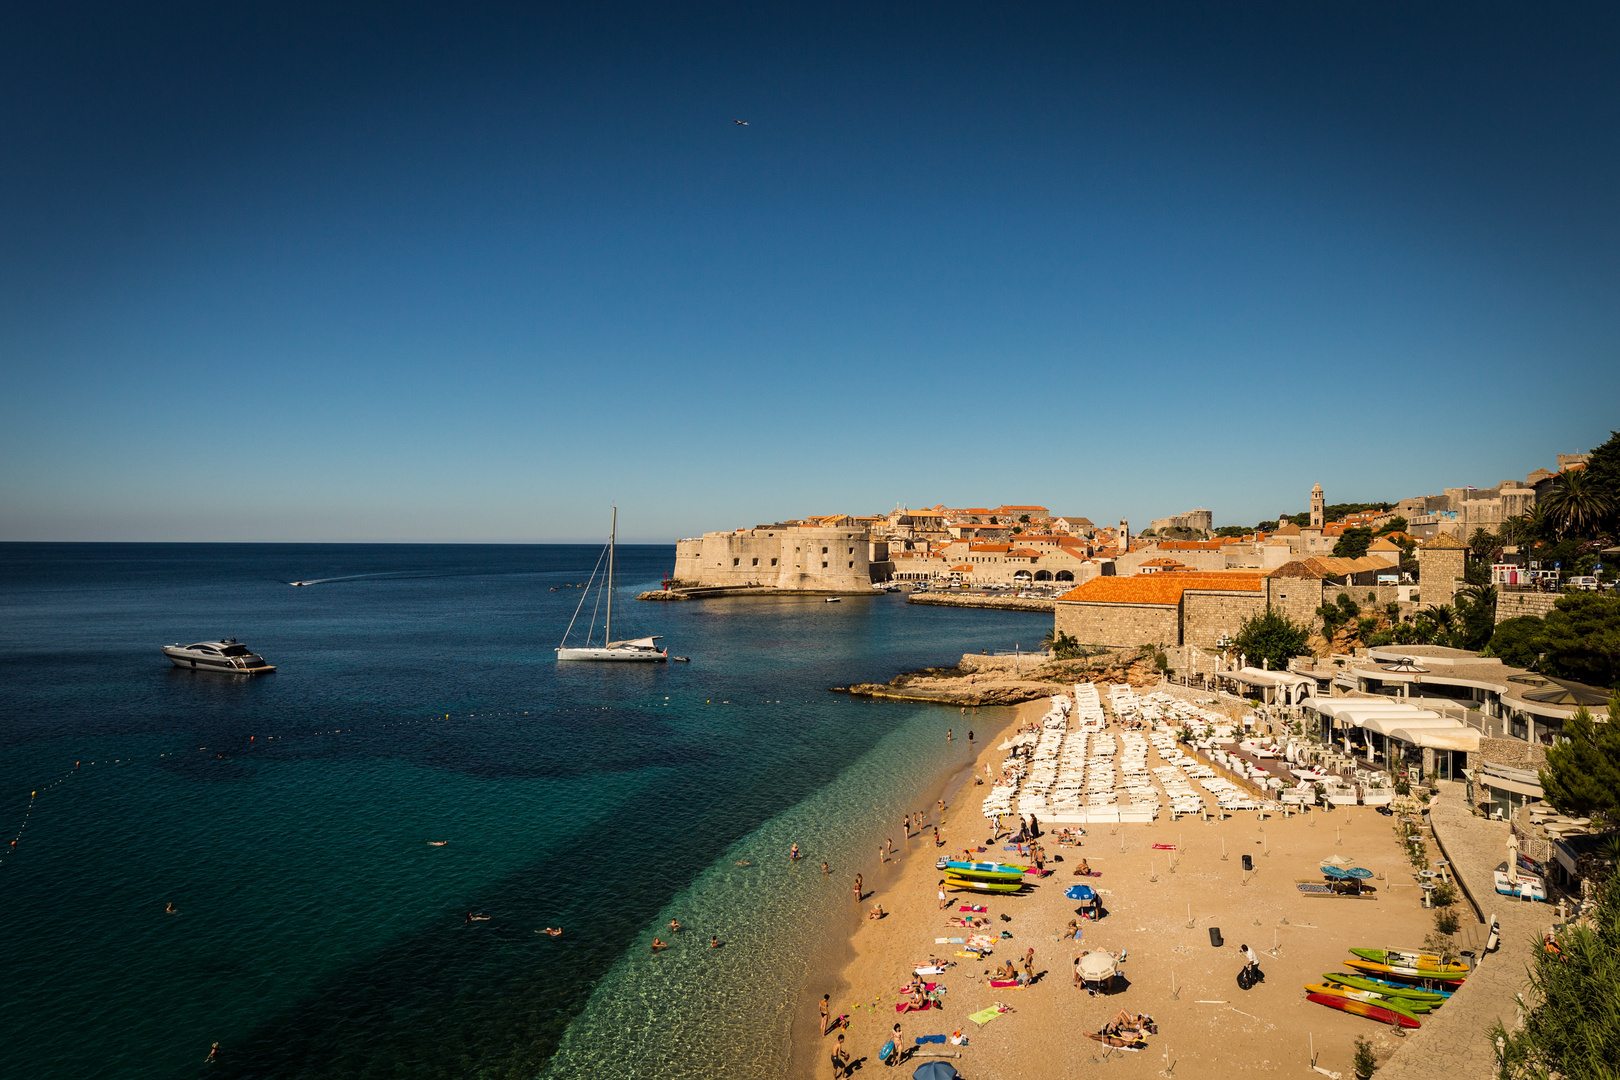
(1405, 1008)
(1390, 988)
(982, 876)
(1402, 958)
(1448, 977)
(1364, 1008)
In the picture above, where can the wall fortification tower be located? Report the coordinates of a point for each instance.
(1318, 507)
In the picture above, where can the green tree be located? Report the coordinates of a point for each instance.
(1581, 637)
(1272, 639)
(1064, 647)
(1233, 530)
(1477, 607)
(1517, 642)
(1484, 544)
(1572, 1017)
(1582, 774)
(1353, 543)
(1602, 472)
(1578, 506)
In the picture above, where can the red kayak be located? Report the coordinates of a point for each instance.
(1363, 1008)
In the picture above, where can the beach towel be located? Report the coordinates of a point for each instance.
(1164, 847)
(906, 1006)
(930, 969)
(950, 941)
(984, 1016)
(971, 907)
(930, 1039)
(1003, 982)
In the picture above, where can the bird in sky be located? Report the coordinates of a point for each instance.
(744, 123)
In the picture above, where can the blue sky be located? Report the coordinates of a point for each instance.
(284, 272)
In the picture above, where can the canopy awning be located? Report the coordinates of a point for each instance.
(1460, 738)
(1253, 676)
(1385, 723)
(1337, 706)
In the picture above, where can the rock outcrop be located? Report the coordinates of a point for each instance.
(1009, 680)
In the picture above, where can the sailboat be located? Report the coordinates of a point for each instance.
(644, 649)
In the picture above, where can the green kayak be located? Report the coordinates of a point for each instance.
(1408, 993)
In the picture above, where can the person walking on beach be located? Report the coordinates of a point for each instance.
(942, 900)
(826, 1002)
(891, 847)
(905, 826)
(1029, 965)
(882, 858)
(947, 735)
(857, 888)
(937, 840)
(840, 1059)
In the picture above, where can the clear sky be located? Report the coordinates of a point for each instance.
(471, 271)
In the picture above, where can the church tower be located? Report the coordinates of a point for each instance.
(1318, 507)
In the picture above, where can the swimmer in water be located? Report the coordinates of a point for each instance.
(714, 942)
(213, 1054)
(742, 862)
(437, 843)
(551, 931)
(658, 945)
(794, 854)
(168, 909)
(674, 926)
(480, 917)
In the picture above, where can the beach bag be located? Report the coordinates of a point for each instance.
(1244, 979)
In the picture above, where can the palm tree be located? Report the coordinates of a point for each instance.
(1442, 616)
(1477, 595)
(1577, 506)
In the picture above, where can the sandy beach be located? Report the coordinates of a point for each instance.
(1160, 903)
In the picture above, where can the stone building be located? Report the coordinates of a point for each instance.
(1198, 520)
(784, 557)
(1441, 562)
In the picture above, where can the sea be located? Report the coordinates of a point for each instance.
(293, 820)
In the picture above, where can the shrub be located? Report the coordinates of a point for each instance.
(1446, 921)
(1444, 895)
(1366, 1062)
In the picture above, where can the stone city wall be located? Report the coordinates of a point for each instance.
(1205, 616)
(816, 560)
(1120, 625)
(1512, 605)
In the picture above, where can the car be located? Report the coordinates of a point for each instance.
(1587, 582)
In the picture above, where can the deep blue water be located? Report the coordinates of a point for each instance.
(287, 817)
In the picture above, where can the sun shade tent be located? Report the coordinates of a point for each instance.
(1460, 738)
(1097, 967)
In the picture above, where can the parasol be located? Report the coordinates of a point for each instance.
(1513, 858)
(1097, 966)
(1339, 861)
(1359, 872)
(935, 1070)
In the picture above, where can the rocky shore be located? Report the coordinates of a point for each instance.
(1010, 680)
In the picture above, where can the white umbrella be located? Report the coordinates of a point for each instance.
(1338, 860)
(1513, 858)
(1097, 966)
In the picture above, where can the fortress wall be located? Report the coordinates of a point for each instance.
(1207, 615)
(836, 560)
(1120, 625)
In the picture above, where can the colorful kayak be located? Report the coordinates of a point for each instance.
(1362, 1008)
(982, 871)
(1405, 1008)
(1401, 958)
(1390, 988)
(954, 882)
(1450, 978)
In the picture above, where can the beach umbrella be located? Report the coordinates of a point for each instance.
(1339, 861)
(1335, 873)
(935, 1070)
(1358, 872)
(1513, 858)
(1097, 966)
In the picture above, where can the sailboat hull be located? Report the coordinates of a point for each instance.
(644, 656)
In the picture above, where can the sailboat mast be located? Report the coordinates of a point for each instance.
(612, 534)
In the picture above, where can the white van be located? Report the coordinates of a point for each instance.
(1587, 582)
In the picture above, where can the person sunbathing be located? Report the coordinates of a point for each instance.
(1084, 869)
(877, 912)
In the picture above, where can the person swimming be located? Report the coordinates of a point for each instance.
(714, 942)
(480, 917)
(551, 931)
(674, 926)
(168, 909)
(437, 843)
(794, 854)
(657, 944)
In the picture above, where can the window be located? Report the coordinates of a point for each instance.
(824, 564)
(824, 551)
(756, 562)
(773, 562)
(852, 551)
(852, 566)
(736, 562)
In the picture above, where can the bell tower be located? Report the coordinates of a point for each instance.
(1318, 507)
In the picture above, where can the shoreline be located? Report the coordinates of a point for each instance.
(808, 1049)
(1165, 886)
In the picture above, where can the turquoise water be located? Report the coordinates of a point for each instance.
(287, 817)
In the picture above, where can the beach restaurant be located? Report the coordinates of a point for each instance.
(1271, 687)
(1394, 732)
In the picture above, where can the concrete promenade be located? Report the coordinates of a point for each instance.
(1453, 1041)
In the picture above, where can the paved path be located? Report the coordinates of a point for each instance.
(1453, 1041)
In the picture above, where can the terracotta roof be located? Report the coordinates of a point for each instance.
(989, 547)
(1339, 567)
(1025, 552)
(966, 568)
(1298, 569)
(1190, 545)
(1445, 542)
(1382, 544)
(1287, 530)
(1159, 589)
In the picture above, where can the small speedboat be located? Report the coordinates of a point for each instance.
(834, 599)
(227, 655)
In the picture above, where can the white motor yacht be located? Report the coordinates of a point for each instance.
(227, 654)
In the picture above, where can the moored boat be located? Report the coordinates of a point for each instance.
(644, 650)
(226, 655)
